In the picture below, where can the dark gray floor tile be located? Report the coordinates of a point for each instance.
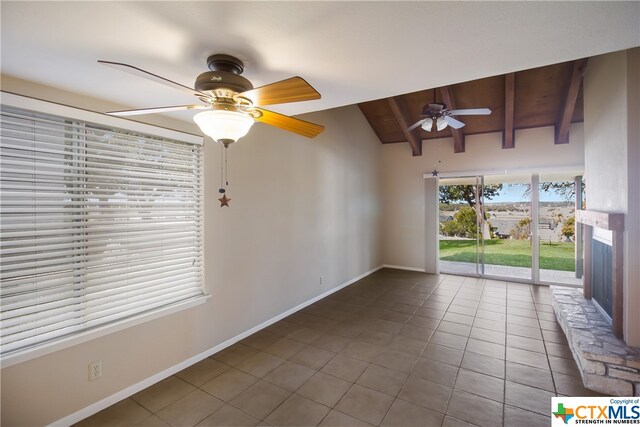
(337, 418)
(163, 393)
(406, 414)
(438, 372)
(480, 384)
(529, 398)
(526, 357)
(382, 379)
(229, 416)
(486, 348)
(289, 376)
(312, 357)
(190, 409)
(298, 411)
(229, 384)
(365, 404)
(475, 409)
(516, 417)
(345, 367)
(528, 375)
(443, 354)
(426, 393)
(260, 399)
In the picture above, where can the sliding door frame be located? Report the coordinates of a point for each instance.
(535, 219)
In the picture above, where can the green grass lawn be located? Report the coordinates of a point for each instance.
(515, 253)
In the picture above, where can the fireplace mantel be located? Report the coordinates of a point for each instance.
(605, 220)
(613, 222)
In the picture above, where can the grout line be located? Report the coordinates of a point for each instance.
(546, 353)
(506, 325)
(453, 387)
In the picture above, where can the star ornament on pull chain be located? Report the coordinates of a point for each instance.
(435, 169)
(224, 201)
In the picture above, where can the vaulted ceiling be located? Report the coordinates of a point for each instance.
(544, 96)
(351, 52)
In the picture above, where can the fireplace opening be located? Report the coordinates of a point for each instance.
(603, 262)
(601, 274)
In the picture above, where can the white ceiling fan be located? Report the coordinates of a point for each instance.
(439, 116)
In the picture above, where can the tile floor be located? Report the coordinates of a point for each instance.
(397, 348)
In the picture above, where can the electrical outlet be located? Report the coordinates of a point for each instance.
(95, 370)
(321, 280)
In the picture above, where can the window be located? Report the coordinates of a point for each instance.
(99, 225)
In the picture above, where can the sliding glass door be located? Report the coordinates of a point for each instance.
(560, 239)
(508, 250)
(460, 223)
(516, 227)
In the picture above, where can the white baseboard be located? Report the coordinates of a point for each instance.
(401, 267)
(131, 390)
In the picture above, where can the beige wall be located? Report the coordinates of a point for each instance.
(404, 186)
(300, 209)
(612, 160)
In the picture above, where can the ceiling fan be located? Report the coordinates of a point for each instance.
(439, 116)
(230, 103)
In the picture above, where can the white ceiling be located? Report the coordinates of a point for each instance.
(350, 51)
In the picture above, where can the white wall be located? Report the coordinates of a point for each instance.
(300, 209)
(612, 160)
(404, 186)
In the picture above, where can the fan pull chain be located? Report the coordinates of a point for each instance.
(222, 153)
(224, 177)
(224, 169)
(226, 166)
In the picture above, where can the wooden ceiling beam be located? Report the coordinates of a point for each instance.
(509, 134)
(400, 113)
(457, 134)
(572, 88)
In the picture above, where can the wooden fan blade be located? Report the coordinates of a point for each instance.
(156, 110)
(294, 89)
(471, 112)
(291, 124)
(154, 77)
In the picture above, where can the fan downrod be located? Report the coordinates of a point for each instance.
(226, 63)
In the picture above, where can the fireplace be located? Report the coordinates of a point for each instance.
(591, 318)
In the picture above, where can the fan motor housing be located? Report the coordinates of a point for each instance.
(214, 80)
(223, 77)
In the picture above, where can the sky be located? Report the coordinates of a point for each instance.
(515, 193)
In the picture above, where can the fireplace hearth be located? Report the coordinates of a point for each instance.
(591, 318)
(605, 362)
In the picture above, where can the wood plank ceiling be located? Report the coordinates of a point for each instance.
(545, 96)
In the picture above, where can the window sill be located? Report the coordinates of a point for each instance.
(62, 343)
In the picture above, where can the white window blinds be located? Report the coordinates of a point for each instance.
(97, 225)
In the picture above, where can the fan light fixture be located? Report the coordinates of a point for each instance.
(427, 124)
(224, 126)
